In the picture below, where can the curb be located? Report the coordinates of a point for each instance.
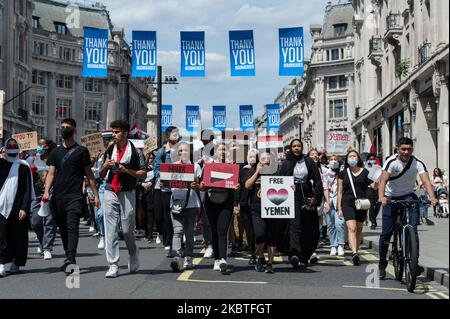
(434, 274)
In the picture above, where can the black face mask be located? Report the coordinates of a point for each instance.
(66, 133)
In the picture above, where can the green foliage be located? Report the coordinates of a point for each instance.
(402, 68)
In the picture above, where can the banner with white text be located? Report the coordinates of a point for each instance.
(242, 53)
(193, 53)
(95, 52)
(144, 54)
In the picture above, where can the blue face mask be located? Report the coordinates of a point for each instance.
(40, 150)
(352, 162)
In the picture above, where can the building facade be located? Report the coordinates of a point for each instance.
(15, 63)
(401, 71)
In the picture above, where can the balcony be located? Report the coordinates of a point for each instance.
(375, 50)
(394, 28)
(424, 52)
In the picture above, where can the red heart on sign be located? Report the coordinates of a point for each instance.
(277, 197)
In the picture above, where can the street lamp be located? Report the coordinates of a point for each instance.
(428, 112)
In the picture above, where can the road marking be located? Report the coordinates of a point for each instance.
(441, 294)
(379, 288)
(225, 281)
(197, 261)
(185, 275)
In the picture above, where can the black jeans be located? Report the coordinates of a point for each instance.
(67, 215)
(13, 239)
(374, 207)
(245, 217)
(219, 216)
(150, 220)
(162, 212)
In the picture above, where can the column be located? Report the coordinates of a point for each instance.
(50, 112)
(77, 109)
(320, 113)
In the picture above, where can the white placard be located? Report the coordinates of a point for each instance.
(277, 197)
(338, 142)
(138, 143)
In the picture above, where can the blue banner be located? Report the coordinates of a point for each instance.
(166, 117)
(95, 52)
(144, 54)
(273, 117)
(246, 117)
(219, 117)
(242, 53)
(192, 118)
(193, 53)
(292, 51)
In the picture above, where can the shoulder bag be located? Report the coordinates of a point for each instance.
(361, 203)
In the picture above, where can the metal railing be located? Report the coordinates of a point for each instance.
(394, 21)
(375, 45)
(424, 52)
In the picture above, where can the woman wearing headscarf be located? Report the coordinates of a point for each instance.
(304, 228)
(15, 204)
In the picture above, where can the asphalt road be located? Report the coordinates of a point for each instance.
(332, 277)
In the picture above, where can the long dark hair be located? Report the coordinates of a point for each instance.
(291, 155)
(360, 162)
(439, 172)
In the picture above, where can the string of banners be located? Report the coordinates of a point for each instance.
(219, 117)
(193, 53)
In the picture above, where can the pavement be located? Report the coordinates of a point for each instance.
(331, 278)
(434, 246)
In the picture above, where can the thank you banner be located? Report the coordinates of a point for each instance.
(193, 53)
(273, 117)
(192, 118)
(242, 53)
(95, 52)
(166, 117)
(291, 50)
(219, 117)
(246, 117)
(144, 54)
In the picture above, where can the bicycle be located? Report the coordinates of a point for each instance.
(405, 246)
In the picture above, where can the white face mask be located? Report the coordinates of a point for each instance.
(333, 164)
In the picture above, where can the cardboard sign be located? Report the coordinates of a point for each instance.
(93, 142)
(27, 141)
(277, 197)
(176, 175)
(338, 142)
(138, 143)
(219, 175)
(150, 144)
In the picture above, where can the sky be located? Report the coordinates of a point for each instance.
(216, 18)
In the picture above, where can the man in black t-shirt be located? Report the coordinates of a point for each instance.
(68, 164)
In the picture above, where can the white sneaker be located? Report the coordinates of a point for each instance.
(184, 238)
(209, 252)
(112, 272)
(223, 265)
(14, 268)
(158, 240)
(341, 251)
(314, 258)
(91, 229)
(333, 251)
(39, 250)
(216, 265)
(2, 270)
(133, 264)
(188, 263)
(167, 248)
(47, 255)
(101, 243)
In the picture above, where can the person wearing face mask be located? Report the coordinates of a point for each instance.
(304, 228)
(346, 199)
(163, 194)
(336, 225)
(68, 165)
(16, 194)
(372, 194)
(244, 203)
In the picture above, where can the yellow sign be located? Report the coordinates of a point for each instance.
(93, 142)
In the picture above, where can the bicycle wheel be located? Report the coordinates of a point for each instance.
(411, 260)
(397, 257)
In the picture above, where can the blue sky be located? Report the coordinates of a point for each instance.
(216, 18)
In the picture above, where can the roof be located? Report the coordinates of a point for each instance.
(337, 14)
(49, 12)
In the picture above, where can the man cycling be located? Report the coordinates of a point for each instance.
(397, 182)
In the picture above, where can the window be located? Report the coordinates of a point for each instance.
(40, 48)
(332, 82)
(93, 85)
(378, 142)
(37, 105)
(342, 81)
(337, 82)
(65, 53)
(64, 82)
(36, 23)
(60, 28)
(63, 108)
(338, 108)
(340, 29)
(335, 54)
(38, 77)
(92, 111)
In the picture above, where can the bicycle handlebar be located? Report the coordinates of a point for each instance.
(407, 202)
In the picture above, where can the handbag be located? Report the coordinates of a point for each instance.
(178, 205)
(361, 203)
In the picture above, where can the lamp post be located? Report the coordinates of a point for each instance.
(159, 83)
(429, 115)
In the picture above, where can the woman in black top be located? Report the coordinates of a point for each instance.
(346, 199)
(267, 230)
(304, 228)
